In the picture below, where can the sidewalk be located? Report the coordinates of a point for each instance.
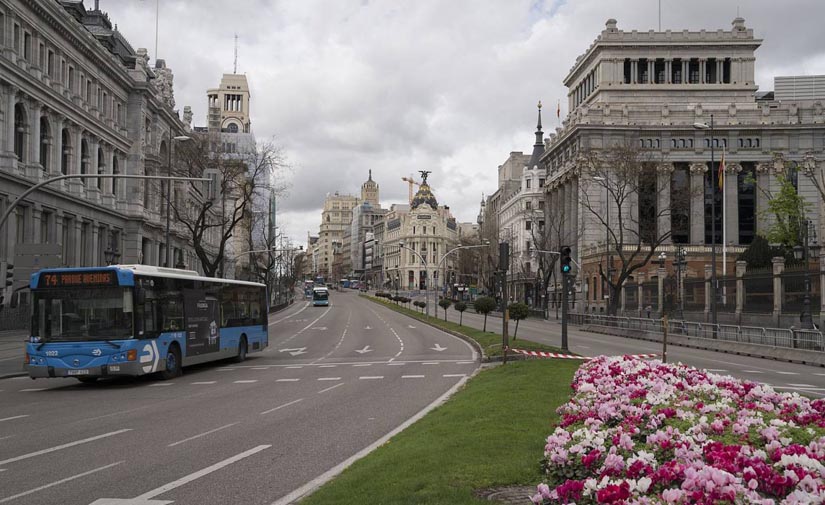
(11, 353)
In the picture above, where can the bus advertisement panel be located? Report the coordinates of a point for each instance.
(136, 319)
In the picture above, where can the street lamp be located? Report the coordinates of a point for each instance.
(808, 245)
(713, 282)
(110, 255)
(181, 138)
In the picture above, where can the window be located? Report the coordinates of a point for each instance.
(71, 79)
(41, 57)
(746, 182)
(50, 65)
(88, 91)
(528, 205)
(680, 203)
(528, 225)
(541, 183)
(17, 38)
(528, 183)
(46, 221)
(541, 204)
(27, 46)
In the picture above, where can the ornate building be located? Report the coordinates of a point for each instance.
(649, 90)
(427, 231)
(75, 98)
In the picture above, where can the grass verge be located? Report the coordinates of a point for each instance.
(490, 342)
(490, 434)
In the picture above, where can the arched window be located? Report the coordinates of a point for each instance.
(232, 128)
(115, 170)
(101, 166)
(21, 127)
(66, 138)
(84, 158)
(45, 143)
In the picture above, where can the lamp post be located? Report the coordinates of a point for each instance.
(802, 251)
(182, 138)
(441, 260)
(426, 275)
(713, 282)
(680, 261)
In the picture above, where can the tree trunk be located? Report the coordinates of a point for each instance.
(460, 318)
(516, 331)
(485, 322)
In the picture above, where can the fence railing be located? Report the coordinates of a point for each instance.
(811, 340)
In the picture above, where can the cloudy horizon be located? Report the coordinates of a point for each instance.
(350, 86)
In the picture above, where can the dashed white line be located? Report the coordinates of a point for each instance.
(788, 373)
(396, 364)
(61, 481)
(293, 402)
(13, 417)
(454, 375)
(370, 377)
(227, 369)
(293, 367)
(204, 382)
(328, 366)
(795, 385)
(363, 364)
(260, 368)
(330, 388)
(161, 384)
(246, 382)
(715, 370)
(329, 378)
(287, 380)
(201, 435)
(412, 376)
(752, 371)
(29, 390)
(63, 446)
(429, 363)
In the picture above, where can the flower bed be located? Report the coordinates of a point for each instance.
(645, 432)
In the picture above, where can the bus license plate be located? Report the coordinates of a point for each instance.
(79, 372)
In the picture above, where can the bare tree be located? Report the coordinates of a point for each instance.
(212, 217)
(625, 177)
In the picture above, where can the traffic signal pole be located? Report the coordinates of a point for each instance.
(565, 278)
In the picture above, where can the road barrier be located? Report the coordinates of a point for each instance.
(542, 354)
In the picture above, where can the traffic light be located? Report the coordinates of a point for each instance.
(9, 275)
(503, 256)
(565, 260)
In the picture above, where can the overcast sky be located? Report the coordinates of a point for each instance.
(451, 86)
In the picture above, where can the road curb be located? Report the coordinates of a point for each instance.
(473, 343)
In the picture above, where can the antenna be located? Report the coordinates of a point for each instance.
(235, 70)
(660, 15)
(157, 16)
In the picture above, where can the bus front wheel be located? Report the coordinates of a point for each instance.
(172, 363)
(242, 348)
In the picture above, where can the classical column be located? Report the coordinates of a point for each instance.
(93, 249)
(11, 101)
(762, 181)
(57, 144)
(651, 67)
(685, 70)
(741, 268)
(778, 267)
(720, 70)
(697, 202)
(730, 210)
(634, 65)
(664, 172)
(34, 138)
(668, 71)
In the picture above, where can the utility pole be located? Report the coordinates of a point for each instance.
(564, 265)
(503, 264)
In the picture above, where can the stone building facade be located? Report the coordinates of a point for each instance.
(335, 218)
(430, 231)
(649, 90)
(75, 98)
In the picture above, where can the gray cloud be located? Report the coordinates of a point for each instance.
(396, 87)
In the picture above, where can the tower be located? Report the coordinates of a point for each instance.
(369, 191)
(229, 105)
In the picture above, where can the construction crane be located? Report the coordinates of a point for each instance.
(411, 181)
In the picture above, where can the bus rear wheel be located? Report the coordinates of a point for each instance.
(172, 363)
(242, 348)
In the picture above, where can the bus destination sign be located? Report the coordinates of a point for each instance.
(77, 279)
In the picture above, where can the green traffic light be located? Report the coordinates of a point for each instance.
(565, 268)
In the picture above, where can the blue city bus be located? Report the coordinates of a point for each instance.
(320, 297)
(133, 320)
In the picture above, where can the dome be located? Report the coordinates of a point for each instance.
(424, 196)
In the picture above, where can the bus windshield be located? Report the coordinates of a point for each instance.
(320, 294)
(75, 315)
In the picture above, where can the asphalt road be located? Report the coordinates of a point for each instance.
(333, 382)
(783, 376)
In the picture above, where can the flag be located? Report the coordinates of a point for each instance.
(722, 171)
(558, 109)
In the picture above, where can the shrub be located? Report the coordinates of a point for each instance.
(445, 303)
(518, 311)
(484, 305)
(460, 307)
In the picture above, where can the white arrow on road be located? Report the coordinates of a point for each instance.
(365, 349)
(367, 328)
(294, 352)
(438, 348)
(319, 328)
(411, 326)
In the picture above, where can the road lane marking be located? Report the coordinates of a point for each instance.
(56, 483)
(246, 381)
(200, 473)
(287, 380)
(794, 385)
(63, 446)
(227, 369)
(293, 402)
(715, 370)
(161, 384)
(752, 371)
(293, 367)
(260, 368)
(173, 444)
(7, 436)
(454, 375)
(328, 366)
(464, 362)
(13, 417)
(396, 364)
(412, 376)
(330, 388)
(29, 390)
(329, 378)
(204, 382)
(370, 377)
(363, 364)
(788, 373)
(305, 328)
(429, 363)
(820, 374)
(291, 315)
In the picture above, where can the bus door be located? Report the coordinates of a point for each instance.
(202, 322)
